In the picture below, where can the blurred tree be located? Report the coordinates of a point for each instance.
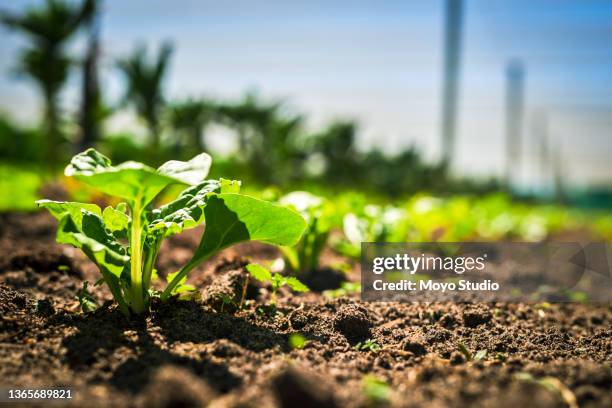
(249, 118)
(93, 111)
(44, 60)
(337, 145)
(190, 118)
(144, 90)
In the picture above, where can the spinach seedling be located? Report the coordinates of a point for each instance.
(304, 257)
(275, 280)
(124, 241)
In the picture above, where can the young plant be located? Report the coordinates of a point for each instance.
(368, 345)
(124, 241)
(303, 258)
(375, 224)
(275, 280)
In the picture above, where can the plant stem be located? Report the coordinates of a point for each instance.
(171, 285)
(137, 303)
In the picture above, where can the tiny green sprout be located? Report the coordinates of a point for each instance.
(275, 280)
(375, 390)
(466, 353)
(368, 345)
(500, 357)
(297, 341)
(124, 241)
(86, 300)
(480, 355)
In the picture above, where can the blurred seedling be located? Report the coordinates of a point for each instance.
(376, 391)
(297, 341)
(480, 354)
(368, 345)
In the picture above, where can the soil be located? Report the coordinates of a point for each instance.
(204, 353)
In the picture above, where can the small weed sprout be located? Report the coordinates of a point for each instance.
(466, 353)
(297, 341)
(368, 345)
(124, 241)
(276, 280)
(480, 354)
(375, 390)
(86, 300)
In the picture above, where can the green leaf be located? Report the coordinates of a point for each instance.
(134, 181)
(88, 234)
(259, 272)
(296, 285)
(192, 172)
(116, 221)
(233, 218)
(481, 354)
(230, 186)
(187, 211)
(60, 208)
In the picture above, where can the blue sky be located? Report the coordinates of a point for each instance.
(378, 63)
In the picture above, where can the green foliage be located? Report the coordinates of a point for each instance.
(276, 280)
(44, 60)
(304, 257)
(19, 188)
(368, 345)
(144, 90)
(86, 300)
(128, 269)
(376, 391)
(297, 341)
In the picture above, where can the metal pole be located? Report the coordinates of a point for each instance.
(452, 54)
(514, 119)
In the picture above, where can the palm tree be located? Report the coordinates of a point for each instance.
(190, 117)
(144, 90)
(45, 60)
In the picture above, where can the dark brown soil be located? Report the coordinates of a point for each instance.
(188, 353)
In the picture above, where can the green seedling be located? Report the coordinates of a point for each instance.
(466, 353)
(276, 280)
(480, 354)
(304, 257)
(124, 241)
(375, 390)
(86, 300)
(297, 341)
(368, 345)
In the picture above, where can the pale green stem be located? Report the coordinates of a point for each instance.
(137, 302)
